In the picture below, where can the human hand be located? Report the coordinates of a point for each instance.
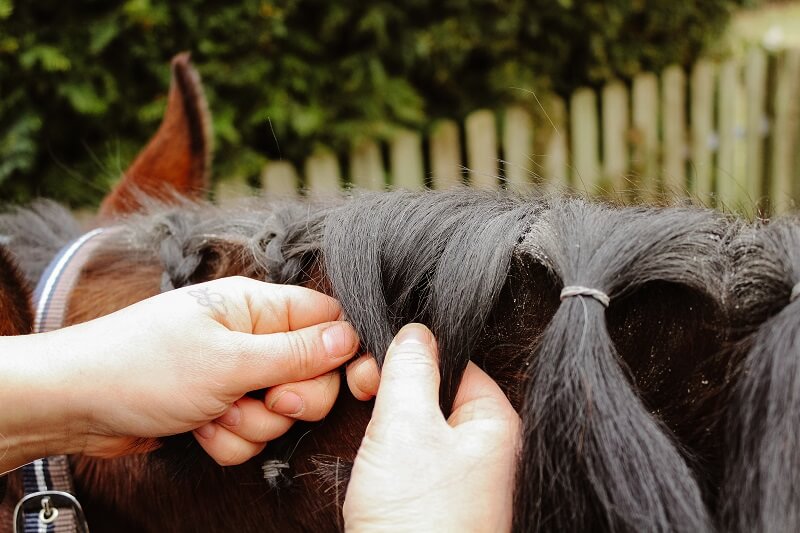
(184, 360)
(416, 471)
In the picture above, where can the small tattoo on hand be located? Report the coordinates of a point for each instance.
(206, 298)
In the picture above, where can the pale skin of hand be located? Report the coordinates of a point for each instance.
(181, 361)
(416, 470)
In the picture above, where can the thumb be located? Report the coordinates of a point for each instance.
(409, 385)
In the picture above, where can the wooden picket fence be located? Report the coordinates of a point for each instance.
(725, 134)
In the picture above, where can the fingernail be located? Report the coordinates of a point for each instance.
(231, 417)
(413, 334)
(287, 403)
(207, 431)
(339, 340)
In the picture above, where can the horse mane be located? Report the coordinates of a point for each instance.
(760, 488)
(36, 233)
(582, 446)
(652, 414)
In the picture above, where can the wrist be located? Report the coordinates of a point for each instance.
(40, 414)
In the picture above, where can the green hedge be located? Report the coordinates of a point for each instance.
(83, 84)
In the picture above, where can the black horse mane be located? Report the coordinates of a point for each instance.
(676, 408)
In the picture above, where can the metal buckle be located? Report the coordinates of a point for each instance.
(47, 503)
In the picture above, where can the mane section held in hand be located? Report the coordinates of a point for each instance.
(436, 258)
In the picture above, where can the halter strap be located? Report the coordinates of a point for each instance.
(59, 278)
(49, 504)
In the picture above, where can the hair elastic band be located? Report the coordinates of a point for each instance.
(795, 292)
(577, 290)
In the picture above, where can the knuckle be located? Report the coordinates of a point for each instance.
(284, 294)
(270, 310)
(363, 374)
(229, 456)
(270, 429)
(412, 364)
(225, 284)
(301, 351)
(331, 304)
(333, 307)
(416, 357)
(326, 391)
(228, 352)
(263, 432)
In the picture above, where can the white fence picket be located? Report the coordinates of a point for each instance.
(728, 135)
(482, 159)
(445, 147)
(517, 148)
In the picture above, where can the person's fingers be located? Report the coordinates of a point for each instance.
(363, 377)
(479, 397)
(251, 420)
(309, 400)
(224, 446)
(409, 386)
(269, 360)
(278, 308)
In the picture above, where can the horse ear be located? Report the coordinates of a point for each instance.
(176, 162)
(16, 314)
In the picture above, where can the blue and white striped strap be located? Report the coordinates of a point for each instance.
(58, 279)
(49, 505)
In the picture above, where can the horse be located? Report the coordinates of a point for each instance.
(650, 350)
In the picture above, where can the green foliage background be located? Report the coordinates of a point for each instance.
(83, 84)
